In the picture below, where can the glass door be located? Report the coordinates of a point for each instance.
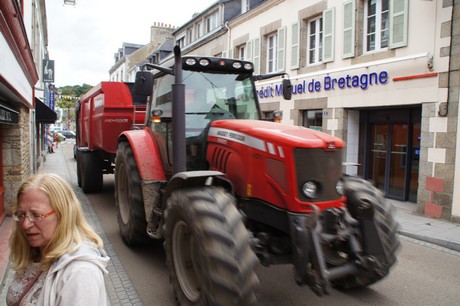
(388, 158)
(397, 161)
(378, 158)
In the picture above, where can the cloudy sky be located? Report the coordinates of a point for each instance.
(82, 39)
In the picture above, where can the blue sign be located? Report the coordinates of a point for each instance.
(363, 81)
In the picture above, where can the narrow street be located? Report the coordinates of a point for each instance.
(424, 275)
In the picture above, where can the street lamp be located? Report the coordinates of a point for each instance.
(70, 2)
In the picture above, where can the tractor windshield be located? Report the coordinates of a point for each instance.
(208, 97)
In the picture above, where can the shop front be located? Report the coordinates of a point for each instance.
(391, 147)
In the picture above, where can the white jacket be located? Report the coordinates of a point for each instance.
(77, 279)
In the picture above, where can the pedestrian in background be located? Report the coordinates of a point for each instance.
(50, 142)
(58, 258)
(57, 139)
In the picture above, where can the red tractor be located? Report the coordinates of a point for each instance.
(225, 189)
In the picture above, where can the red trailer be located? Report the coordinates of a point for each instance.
(108, 109)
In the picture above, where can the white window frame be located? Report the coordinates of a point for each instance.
(399, 14)
(348, 45)
(189, 34)
(244, 6)
(180, 40)
(198, 29)
(256, 55)
(378, 27)
(318, 49)
(272, 52)
(242, 52)
(281, 49)
(211, 22)
(295, 45)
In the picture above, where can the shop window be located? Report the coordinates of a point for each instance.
(313, 119)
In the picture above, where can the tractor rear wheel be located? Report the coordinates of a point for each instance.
(361, 193)
(207, 249)
(128, 197)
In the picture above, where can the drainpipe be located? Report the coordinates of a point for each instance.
(444, 106)
(229, 36)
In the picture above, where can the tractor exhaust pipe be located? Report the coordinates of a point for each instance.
(178, 115)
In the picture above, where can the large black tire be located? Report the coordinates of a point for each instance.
(208, 253)
(90, 172)
(78, 158)
(361, 193)
(128, 197)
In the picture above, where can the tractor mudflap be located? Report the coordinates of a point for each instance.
(316, 236)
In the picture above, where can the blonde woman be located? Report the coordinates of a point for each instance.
(57, 256)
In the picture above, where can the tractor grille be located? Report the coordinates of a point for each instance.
(220, 158)
(319, 165)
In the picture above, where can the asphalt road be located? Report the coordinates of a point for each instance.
(424, 274)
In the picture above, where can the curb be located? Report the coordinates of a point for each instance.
(440, 242)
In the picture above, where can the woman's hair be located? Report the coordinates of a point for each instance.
(72, 227)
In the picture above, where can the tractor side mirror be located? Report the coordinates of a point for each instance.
(143, 85)
(287, 89)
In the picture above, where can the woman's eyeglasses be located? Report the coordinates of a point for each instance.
(34, 217)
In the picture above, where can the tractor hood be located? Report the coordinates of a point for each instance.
(256, 132)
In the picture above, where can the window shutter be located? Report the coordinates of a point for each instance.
(348, 48)
(295, 48)
(398, 23)
(256, 56)
(248, 55)
(281, 49)
(328, 35)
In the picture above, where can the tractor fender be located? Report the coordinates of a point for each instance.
(146, 154)
(189, 179)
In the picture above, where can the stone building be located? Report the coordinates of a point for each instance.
(383, 75)
(131, 56)
(23, 113)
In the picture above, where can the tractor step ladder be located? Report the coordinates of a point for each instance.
(138, 123)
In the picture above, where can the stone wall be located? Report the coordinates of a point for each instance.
(16, 156)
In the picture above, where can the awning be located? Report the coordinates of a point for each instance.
(43, 113)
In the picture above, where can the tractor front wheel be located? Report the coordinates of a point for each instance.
(361, 194)
(207, 249)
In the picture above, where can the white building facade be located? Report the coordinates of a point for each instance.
(381, 74)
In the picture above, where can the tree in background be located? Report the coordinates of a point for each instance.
(68, 96)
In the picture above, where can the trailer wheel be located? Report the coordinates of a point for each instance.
(90, 172)
(77, 157)
(207, 246)
(128, 197)
(361, 192)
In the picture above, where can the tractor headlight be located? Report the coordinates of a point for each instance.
(339, 187)
(310, 189)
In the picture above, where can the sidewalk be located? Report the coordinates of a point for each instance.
(438, 232)
(119, 286)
